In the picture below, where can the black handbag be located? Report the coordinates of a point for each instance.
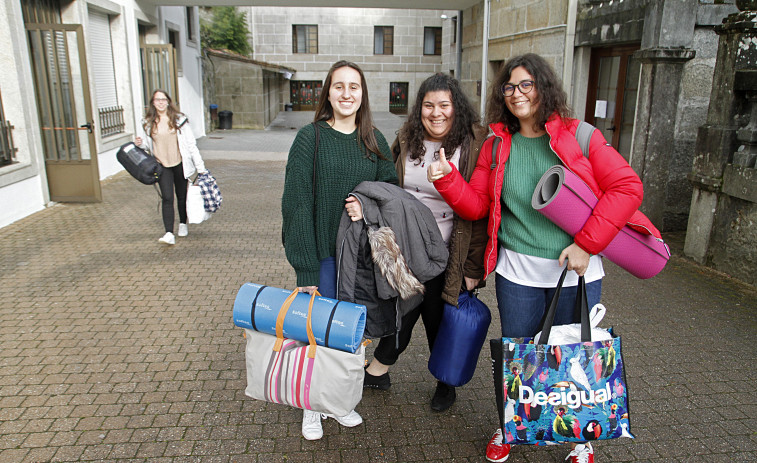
(139, 164)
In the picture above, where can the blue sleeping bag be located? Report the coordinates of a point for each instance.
(458, 344)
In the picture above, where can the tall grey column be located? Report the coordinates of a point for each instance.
(668, 34)
(722, 231)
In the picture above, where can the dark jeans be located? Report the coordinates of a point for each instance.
(327, 277)
(522, 308)
(430, 309)
(173, 178)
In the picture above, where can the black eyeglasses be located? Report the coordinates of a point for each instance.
(525, 86)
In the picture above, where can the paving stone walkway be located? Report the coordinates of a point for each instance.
(116, 348)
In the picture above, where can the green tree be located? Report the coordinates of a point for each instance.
(227, 30)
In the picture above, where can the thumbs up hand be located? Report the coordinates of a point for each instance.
(438, 169)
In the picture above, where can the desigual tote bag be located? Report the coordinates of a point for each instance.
(303, 375)
(561, 393)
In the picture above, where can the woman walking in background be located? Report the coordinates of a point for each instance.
(327, 160)
(166, 133)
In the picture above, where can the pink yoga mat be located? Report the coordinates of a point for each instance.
(562, 197)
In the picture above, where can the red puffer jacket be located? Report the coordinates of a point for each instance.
(609, 176)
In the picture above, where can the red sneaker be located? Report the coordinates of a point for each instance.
(496, 451)
(583, 453)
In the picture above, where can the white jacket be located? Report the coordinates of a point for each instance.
(190, 154)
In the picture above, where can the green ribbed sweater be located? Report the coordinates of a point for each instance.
(523, 229)
(341, 166)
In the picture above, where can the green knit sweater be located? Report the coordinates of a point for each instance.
(523, 229)
(340, 166)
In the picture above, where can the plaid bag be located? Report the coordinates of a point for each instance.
(211, 195)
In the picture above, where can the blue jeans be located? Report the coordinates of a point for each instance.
(327, 276)
(522, 308)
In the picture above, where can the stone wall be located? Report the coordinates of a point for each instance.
(722, 226)
(348, 33)
(252, 90)
(515, 27)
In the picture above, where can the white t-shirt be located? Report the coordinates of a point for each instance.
(539, 272)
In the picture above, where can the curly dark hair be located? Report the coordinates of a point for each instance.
(552, 97)
(363, 117)
(465, 119)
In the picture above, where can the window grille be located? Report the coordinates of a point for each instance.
(111, 121)
(7, 149)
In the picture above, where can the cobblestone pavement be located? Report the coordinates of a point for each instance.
(116, 348)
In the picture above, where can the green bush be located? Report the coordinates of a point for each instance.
(227, 30)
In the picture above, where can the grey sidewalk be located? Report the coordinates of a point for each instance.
(273, 143)
(115, 348)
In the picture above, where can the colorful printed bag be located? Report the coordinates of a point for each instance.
(303, 375)
(560, 393)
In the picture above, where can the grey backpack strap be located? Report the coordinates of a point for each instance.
(495, 144)
(583, 136)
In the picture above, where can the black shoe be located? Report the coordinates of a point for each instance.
(443, 398)
(381, 382)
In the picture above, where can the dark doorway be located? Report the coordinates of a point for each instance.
(304, 94)
(611, 96)
(398, 97)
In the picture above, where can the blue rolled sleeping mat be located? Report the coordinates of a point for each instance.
(336, 324)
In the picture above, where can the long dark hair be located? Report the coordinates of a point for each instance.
(462, 126)
(151, 117)
(552, 97)
(363, 118)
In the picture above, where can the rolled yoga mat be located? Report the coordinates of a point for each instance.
(562, 197)
(336, 324)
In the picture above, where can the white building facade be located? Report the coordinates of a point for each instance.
(74, 80)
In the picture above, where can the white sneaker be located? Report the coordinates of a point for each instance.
(168, 238)
(183, 230)
(311, 425)
(350, 420)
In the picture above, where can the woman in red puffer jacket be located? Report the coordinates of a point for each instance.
(527, 110)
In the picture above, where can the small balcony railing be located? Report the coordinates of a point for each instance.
(111, 121)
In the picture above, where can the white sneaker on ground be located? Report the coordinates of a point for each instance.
(350, 420)
(311, 425)
(183, 230)
(168, 238)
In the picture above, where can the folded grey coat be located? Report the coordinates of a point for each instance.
(384, 259)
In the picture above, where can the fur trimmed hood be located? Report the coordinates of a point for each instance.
(386, 254)
(384, 259)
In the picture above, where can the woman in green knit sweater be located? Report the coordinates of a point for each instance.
(349, 151)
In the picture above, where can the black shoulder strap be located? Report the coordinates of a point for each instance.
(495, 144)
(583, 136)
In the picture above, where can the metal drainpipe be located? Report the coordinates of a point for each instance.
(570, 39)
(484, 58)
(459, 45)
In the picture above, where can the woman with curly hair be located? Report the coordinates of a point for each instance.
(442, 121)
(528, 113)
(166, 133)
